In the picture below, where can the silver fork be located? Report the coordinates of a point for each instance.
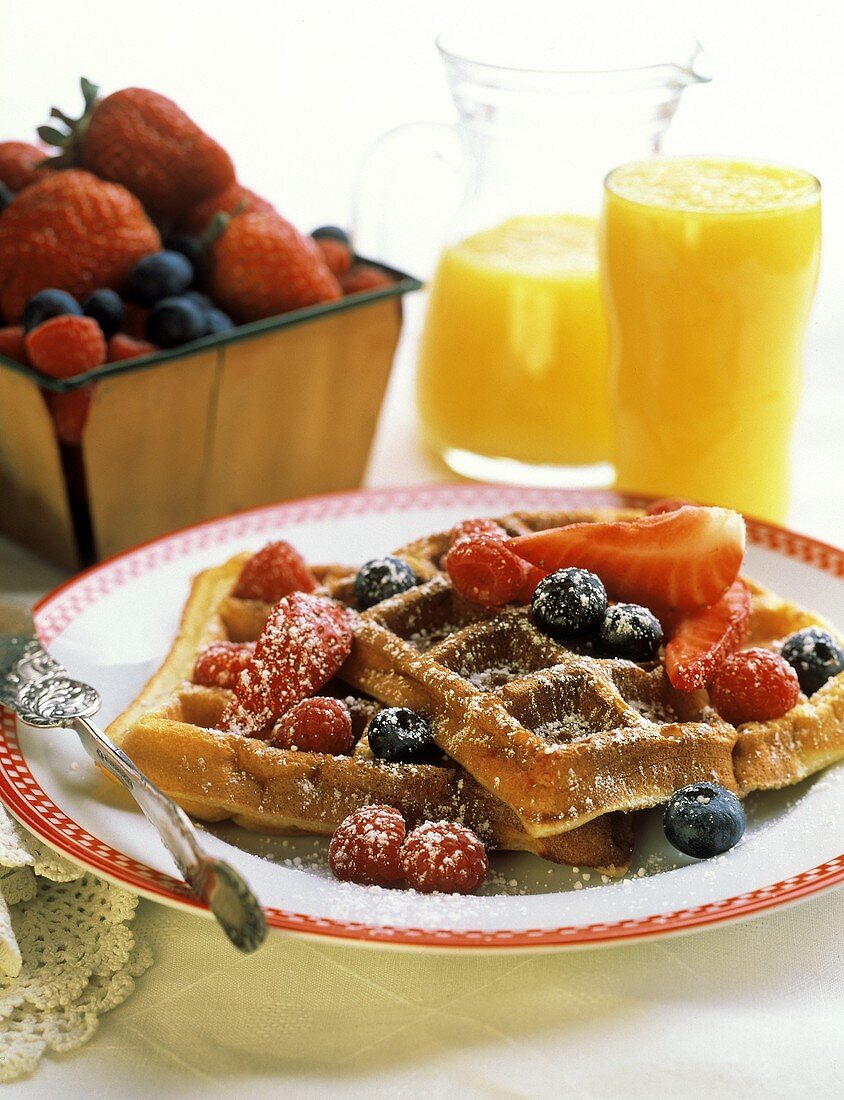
(38, 688)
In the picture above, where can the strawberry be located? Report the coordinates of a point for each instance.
(666, 504)
(12, 343)
(231, 198)
(337, 256)
(19, 162)
(302, 645)
(123, 346)
(66, 345)
(70, 412)
(72, 232)
(261, 265)
(364, 277)
(147, 143)
(684, 559)
(701, 642)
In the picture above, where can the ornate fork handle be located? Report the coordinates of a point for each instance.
(37, 687)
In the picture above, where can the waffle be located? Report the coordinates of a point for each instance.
(169, 731)
(562, 736)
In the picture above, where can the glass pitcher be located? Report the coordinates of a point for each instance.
(512, 371)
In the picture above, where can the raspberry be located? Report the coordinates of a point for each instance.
(66, 345)
(366, 847)
(467, 528)
(445, 857)
(11, 343)
(754, 685)
(70, 412)
(319, 724)
(221, 663)
(337, 256)
(123, 346)
(304, 641)
(276, 570)
(484, 570)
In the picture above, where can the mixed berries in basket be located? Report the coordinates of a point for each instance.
(135, 235)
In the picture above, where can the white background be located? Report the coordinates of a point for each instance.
(297, 90)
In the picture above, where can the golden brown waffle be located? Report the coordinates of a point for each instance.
(560, 736)
(169, 733)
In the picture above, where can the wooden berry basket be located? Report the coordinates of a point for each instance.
(275, 409)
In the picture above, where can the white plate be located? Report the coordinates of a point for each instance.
(113, 625)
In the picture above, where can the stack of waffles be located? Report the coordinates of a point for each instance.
(545, 747)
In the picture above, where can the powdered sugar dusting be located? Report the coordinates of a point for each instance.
(304, 642)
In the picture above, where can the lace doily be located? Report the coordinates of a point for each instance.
(67, 953)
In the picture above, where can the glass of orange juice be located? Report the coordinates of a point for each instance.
(709, 270)
(512, 371)
(513, 357)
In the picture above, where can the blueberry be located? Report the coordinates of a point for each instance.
(191, 247)
(381, 578)
(630, 631)
(199, 298)
(569, 603)
(6, 196)
(332, 233)
(46, 304)
(703, 820)
(400, 735)
(174, 321)
(158, 276)
(217, 321)
(106, 307)
(815, 656)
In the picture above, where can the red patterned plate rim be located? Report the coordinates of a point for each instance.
(34, 808)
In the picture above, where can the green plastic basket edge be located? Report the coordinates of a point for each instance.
(404, 284)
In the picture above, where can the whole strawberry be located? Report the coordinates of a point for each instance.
(231, 198)
(73, 232)
(147, 143)
(19, 162)
(261, 265)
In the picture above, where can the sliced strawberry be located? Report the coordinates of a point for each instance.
(667, 504)
(684, 559)
(533, 575)
(700, 642)
(304, 641)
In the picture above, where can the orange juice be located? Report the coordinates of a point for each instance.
(710, 267)
(513, 358)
